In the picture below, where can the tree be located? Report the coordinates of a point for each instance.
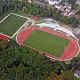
(11, 74)
(74, 24)
(74, 64)
(1, 10)
(25, 9)
(20, 6)
(16, 8)
(64, 75)
(72, 2)
(78, 11)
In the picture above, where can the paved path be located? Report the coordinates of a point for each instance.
(58, 27)
(70, 28)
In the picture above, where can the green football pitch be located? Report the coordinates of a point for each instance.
(10, 25)
(47, 42)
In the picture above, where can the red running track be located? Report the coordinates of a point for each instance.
(4, 37)
(70, 51)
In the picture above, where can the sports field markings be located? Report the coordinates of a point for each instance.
(8, 29)
(67, 54)
(5, 35)
(19, 29)
(47, 42)
(20, 16)
(5, 18)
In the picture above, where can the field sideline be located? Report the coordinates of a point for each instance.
(47, 42)
(11, 24)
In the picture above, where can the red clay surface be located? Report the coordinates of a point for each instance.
(70, 51)
(4, 37)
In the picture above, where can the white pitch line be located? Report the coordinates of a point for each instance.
(5, 18)
(19, 29)
(5, 35)
(20, 16)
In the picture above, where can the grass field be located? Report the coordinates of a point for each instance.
(47, 42)
(11, 24)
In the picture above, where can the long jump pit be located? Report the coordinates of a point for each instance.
(71, 50)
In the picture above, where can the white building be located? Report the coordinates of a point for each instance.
(53, 2)
(58, 6)
(77, 73)
(78, 2)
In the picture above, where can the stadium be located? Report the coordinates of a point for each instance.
(54, 44)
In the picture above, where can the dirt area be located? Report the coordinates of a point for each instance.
(65, 26)
(75, 31)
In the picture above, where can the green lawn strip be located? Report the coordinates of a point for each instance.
(47, 42)
(78, 55)
(79, 42)
(11, 24)
(41, 21)
(15, 37)
(13, 11)
(79, 51)
(74, 78)
(29, 24)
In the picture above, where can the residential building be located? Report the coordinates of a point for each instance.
(73, 12)
(58, 6)
(53, 2)
(77, 73)
(68, 9)
(78, 2)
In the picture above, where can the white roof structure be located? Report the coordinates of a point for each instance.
(77, 73)
(78, 2)
(56, 26)
(79, 31)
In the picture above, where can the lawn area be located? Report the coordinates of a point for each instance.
(73, 77)
(79, 42)
(11, 24)
(46, 42)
